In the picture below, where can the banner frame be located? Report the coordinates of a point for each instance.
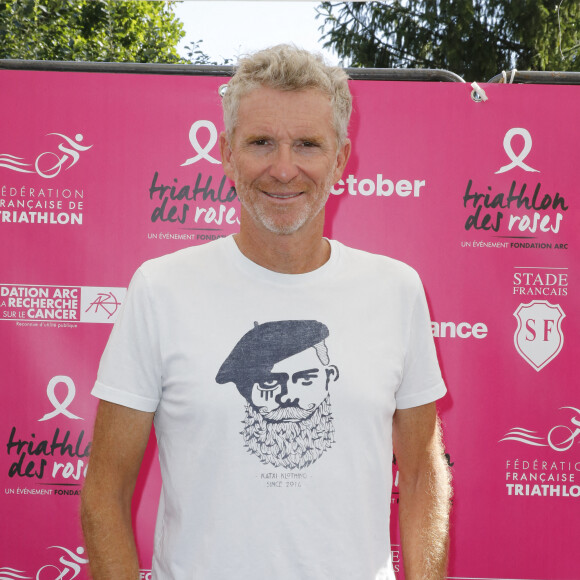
(539, 77)
(378, 74)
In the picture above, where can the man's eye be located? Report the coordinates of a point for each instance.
(305, 382)
(268, 385)
(260, 142)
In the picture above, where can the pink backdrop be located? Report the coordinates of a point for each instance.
(99, 172)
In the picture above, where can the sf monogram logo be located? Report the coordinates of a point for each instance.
(517, 160)
(539, 337)
(202, 152)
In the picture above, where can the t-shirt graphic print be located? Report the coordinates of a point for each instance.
(283, 371)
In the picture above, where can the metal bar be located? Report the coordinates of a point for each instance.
(376, 74)
(541, 77)
(116, 67)
(403, 74)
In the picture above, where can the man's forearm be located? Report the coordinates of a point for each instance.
(109, 539)
(424, 521)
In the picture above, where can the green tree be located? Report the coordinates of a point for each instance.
(92, 30)
(474, 38)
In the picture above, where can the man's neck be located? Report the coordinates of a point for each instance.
(296, 253)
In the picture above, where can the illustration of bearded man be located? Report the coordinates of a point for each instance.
(282, 370)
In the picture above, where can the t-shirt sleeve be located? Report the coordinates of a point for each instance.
(130, 368)
(422, 382)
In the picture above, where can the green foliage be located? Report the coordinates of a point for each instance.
(474, 38)
(91, 30)
(197, 55)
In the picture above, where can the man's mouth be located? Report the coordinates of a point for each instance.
(283, 195)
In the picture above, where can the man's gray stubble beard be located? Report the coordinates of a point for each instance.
(261, 216)
(289, 444)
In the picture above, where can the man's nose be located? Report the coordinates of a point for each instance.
(286, 397)
(283, 166)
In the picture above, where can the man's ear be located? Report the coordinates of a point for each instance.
(226, 155)
(342, 159)
(332, 374)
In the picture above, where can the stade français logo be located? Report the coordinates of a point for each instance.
(538, 338)
(49, 164)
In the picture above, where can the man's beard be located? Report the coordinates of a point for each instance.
(277, 223)
(273, 225)
(289, 444)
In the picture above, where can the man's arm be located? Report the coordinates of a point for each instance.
(119, 441)
(424, 492)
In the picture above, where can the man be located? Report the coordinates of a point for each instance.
(176, 352)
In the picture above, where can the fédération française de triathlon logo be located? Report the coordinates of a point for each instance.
(559, 438)
(49, 163)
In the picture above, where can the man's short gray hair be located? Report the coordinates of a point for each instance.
(288, 68)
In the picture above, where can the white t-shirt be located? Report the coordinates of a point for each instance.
(275, 459)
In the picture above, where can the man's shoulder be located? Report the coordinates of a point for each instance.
(183, 264)
(185, 257)
(357, 260)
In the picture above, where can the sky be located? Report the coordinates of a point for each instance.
(230, 28)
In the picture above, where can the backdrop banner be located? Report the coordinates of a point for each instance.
(100, 172)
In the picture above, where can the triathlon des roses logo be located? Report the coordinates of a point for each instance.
(516, 207)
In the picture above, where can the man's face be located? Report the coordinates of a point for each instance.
(283, 158)
(294, 389)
